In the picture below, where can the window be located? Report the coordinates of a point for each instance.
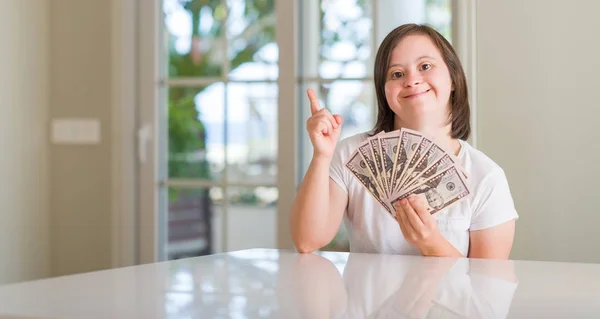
(221, 118)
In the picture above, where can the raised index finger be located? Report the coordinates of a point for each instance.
(314, 101)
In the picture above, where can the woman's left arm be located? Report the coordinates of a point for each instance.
(494, 242)
(492, 227)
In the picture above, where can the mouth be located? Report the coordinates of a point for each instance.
(412, 96)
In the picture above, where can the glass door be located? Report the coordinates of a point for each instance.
(208, 127)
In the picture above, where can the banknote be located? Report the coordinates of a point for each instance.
(433, 154)
(443, 163)
(408, 144)
(365, 150)
(424, 144)
(378, 163)
(396, 164)
(439, 191)
(359, 168)
(389, 144)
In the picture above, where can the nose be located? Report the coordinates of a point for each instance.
(412, 79)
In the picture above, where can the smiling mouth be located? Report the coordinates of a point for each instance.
(416, 94)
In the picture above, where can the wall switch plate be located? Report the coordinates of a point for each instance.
(75, 131)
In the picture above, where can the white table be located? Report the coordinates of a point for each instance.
(278, 284)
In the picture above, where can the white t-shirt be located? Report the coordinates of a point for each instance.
(371, 229)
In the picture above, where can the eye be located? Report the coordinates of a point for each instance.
(425, 66)
(397, 75)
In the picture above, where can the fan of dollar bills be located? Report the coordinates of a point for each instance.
(395, 165)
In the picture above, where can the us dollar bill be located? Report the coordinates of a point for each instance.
(359, 168)
(443, 163)
(377, 159)
(439, 191)
(365, 150)
(424, 144)
(433, 154)
(388, 145)
(407, 146)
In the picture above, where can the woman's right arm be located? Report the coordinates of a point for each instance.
(320, 203)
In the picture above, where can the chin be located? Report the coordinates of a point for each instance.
(417, 113)
(419, 106)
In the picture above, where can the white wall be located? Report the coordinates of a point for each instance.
(80, 175)
(538, 111)
(55, 200)
(24, 232)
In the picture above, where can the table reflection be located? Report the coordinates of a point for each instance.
(388, 286)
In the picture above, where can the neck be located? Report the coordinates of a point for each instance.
(441, 134)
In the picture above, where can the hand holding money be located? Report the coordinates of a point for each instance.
(418, 226)
(395, 165)
(323, 128)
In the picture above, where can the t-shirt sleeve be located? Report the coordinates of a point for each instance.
(493, 203)
(337, 170)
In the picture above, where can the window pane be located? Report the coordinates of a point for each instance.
(346, 38)
(252, 133)
(393, 13)
(191, 216)
(195, 220)
(438, 14)
(251, 219)
(193, 28)
(251, 46)
(196, 132)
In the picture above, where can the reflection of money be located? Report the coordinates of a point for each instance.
(433, 154)
(357, 165)
(376, 151)
(443, 163)
(405, 149)
(439, 191)
(424, 145)
(388, 144)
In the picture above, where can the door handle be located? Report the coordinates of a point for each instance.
(144, 138)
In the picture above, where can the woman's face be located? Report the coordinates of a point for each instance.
(418, 83)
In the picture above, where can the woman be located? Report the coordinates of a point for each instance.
(420, 85)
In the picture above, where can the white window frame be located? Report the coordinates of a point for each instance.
(464, 41)
(124, 106)
(150, 207)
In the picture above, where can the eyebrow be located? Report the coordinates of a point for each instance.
(420, 58)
